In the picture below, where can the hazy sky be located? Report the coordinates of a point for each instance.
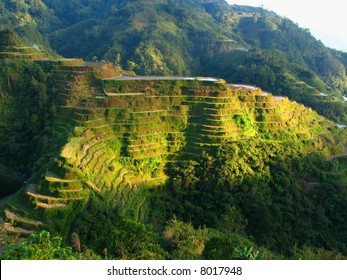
(326, 20)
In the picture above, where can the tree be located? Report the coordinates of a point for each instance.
(149, 60)
(40, 246)
(184, 242)
(118, 59)
(132, 240)
(232, 222)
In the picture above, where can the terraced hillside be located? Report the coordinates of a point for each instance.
(11, 48)
(124, 131)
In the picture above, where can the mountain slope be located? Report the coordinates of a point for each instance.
(101, 148)
(238, 43)
(116, 136)
(31, 19)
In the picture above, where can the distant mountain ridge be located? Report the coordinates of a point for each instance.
(163, 37)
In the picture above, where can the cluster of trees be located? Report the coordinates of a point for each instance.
(29, 18)
(43, 246)
(249, 200)
(258, 190)
(26, 110)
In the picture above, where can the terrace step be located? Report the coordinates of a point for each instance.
(17, 230)
(50, 206)
(19, 219)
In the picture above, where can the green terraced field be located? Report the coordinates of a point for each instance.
(123, 132)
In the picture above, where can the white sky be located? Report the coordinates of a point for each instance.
(327, 20)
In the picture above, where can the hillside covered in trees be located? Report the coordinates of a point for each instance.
(98, 163)
(196, 37)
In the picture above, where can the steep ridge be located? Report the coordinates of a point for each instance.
(124, 131)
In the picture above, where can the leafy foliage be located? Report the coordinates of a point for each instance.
(267, 192)
(41, 246)
(131, 240)
(26, 117)
(106, 231)
(183, 241)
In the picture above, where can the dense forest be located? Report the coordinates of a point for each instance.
(269, 192)
(269, 215)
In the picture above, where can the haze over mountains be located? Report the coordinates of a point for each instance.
(329, 30)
